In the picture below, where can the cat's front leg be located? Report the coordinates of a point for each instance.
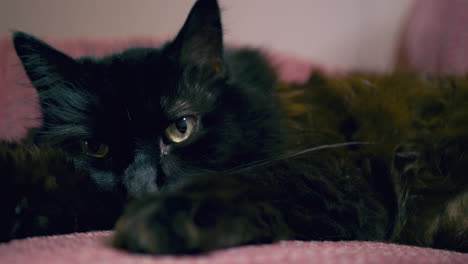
(206, 215)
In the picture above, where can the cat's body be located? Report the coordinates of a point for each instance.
(185, 128)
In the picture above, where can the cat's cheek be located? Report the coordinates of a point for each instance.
(140, 180)
(104, 180)
(172, 172)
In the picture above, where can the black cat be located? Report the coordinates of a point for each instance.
(214, 157)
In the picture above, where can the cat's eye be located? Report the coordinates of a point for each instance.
(94, 149)
(181, 129)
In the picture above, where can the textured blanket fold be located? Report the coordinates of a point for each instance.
(89, 248)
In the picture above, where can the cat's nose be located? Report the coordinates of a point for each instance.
(140, 177)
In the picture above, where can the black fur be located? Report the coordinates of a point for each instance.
(225, 185)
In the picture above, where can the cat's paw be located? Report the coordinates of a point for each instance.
(195, 223)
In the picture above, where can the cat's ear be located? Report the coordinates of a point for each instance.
(200, 41)
(55, 76)
(44, 65)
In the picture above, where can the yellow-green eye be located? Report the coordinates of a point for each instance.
(181, 129)
(94, 149)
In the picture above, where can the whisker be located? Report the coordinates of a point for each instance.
(295, 154)
(128, 114)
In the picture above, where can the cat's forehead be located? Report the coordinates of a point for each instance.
(149, 79)
(131, 64)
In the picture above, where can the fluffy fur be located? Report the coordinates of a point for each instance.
(237, 179)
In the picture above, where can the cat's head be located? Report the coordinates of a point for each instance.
(149, 118)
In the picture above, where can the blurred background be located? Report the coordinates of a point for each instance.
(346, 34)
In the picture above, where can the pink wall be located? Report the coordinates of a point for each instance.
(349, 34)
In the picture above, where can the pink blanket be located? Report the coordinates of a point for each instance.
(435, 39)
(88, 248)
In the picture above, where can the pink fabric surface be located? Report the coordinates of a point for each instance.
(435, 39)
(18, 101)
(88, 248)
